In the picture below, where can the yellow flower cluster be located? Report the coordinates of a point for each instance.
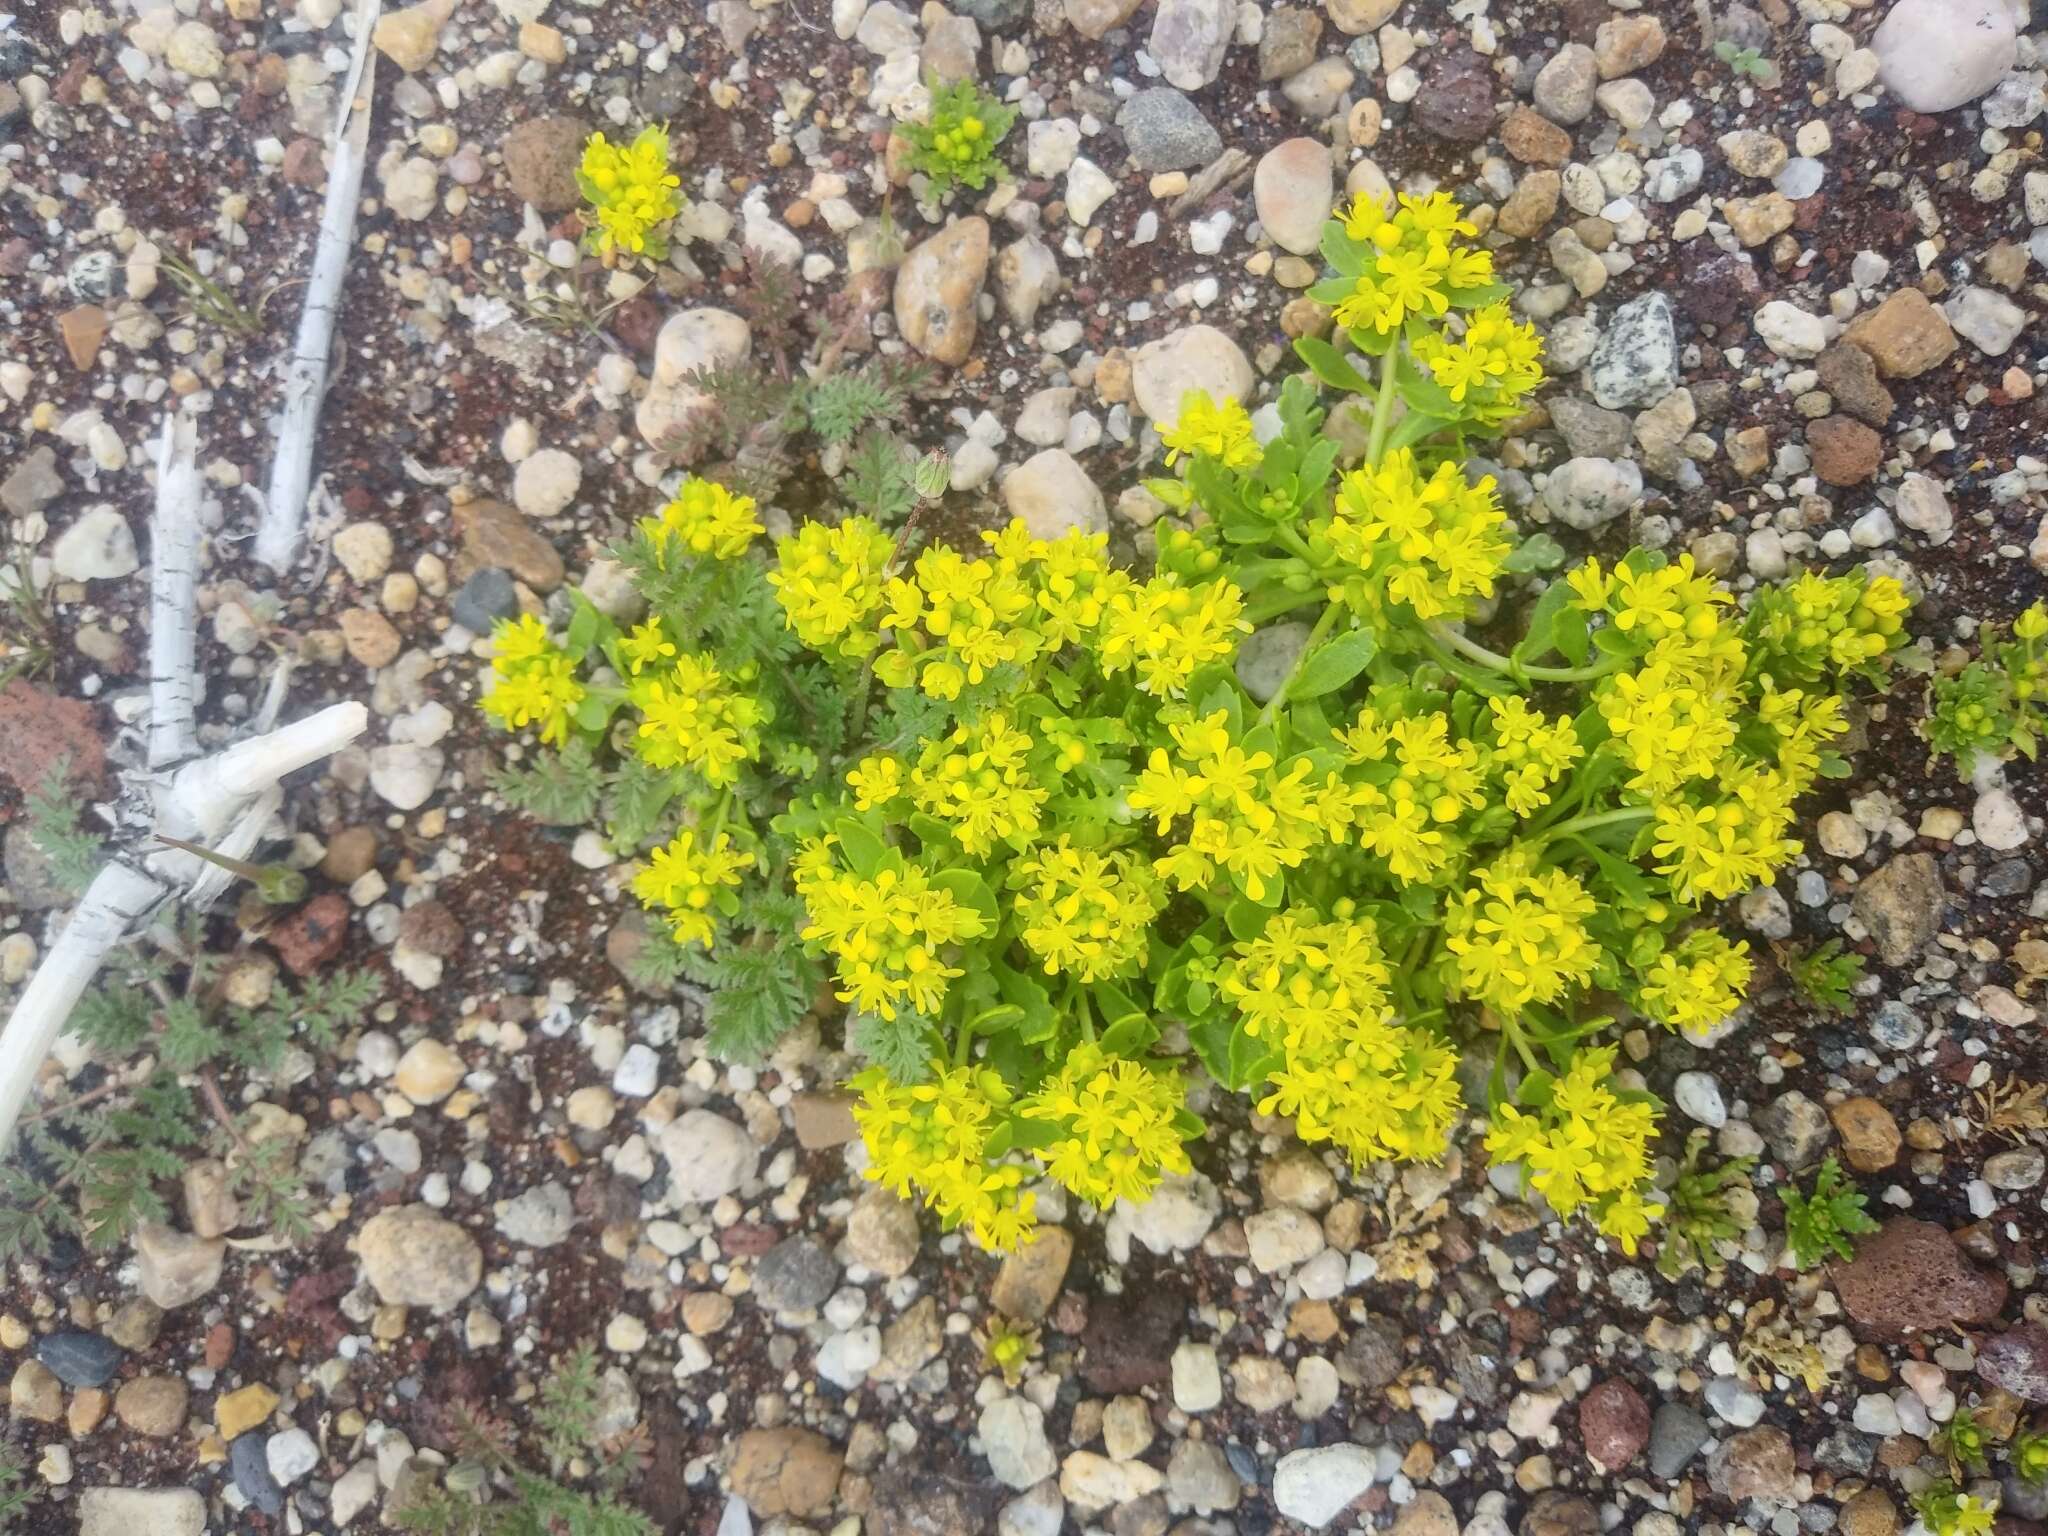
(1722, 847)
(1530, 752)
(1586, 1147)
(1696, 984)
(631, 191)
(1491, 368)
(1117, 1123)
(831, 582)
(1437, 781)
(969, 612)
(1219, 430)
(690, 717)
(978, 780)
(685, 880)
(1517, 935)
(1247, 818)
(1316, 993)
(533, 680)
(1821, 624)
(1432, 542)
(887, 935)
(704, 519)
(1166, 629)
(1085, 912)
(1413, 261)
(933, 1137)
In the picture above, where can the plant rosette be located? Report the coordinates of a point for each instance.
(1055, 844)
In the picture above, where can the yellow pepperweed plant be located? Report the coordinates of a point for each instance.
(631, 192)
(1339, 800)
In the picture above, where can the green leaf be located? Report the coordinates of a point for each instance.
(1328, 364)
(1538, 552)
(970, 890)
(865, 851)
(1334, 663)
(1246, 920)
(1569, 634)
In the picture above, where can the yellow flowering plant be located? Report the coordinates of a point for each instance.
(631, 193)
(1338, 802)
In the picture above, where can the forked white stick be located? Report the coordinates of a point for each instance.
(174, 533)
(291, 472)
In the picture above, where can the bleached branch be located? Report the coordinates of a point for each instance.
(305, 385)
(174, 534)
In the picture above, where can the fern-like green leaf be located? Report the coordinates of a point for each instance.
(879, 479)
(74, 853)
(637, 801)
(902, 1047)
(560, 788)
(759, 990)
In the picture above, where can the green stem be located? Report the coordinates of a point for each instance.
(1315, 636)
(1286, 602)
(1621, 817)
(963, 1043)
(1512, 1032)
(1383, 403)
(1472, 650)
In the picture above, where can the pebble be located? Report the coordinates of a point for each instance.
(79, 1359)
(1195, 357)
(1733, 1402)
(1676, 1434)
(1905, 335)
(99, 546)
(936, 291)
(1636, 362)
(1988, 320)
(1998, 821)
(290, 1454)
(1900, 905)
(1013, 1438)
(1587, 493)
(1292, 189)
(175, 1269)
(428, 1072)
(709, 1157)
(1565, 85)
(796, 1275)
(131, 1511)
(1790, 331)
(364, 550)
(1197, 1378)
(1698, 1096)
(546, 483)
(1318, 1484)
(1281, 1238)
(1088, 188)
(153, 1405)
(539, 1217)
(1054, 495)
(415, 1258)
(1189, 39)
(1936, 55)
(405, 775)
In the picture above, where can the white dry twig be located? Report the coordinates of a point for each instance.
(291, 471)
(221, 802)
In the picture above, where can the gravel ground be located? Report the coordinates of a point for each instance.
(1793, 304)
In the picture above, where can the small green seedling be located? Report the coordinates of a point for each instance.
(1823, 1222)
(1946, 1511)
(1824, 975)
(1702, 1210)
(956, 144)
(2029, 1457)
(279, 885)
(1742, 61)
(1963, 1441)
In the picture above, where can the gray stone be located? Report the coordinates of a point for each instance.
(539, 1217)
(32, 484)
(1588, 493)
(1901, 906)
(1589, 431)
(1676, 1434)
(79, 1359)
(1636, 363)
(1268, 655)
(1189, 39)
(1565, 85)
(251, 1469)
(1796, 1128)
(1985, 318)
(175, 1268)
(1013, 1438)
(1164, 131)
(796, 1275)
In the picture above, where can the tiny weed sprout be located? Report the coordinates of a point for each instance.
(2029, 1457)
(1964, 1441)
(956, 143)
(1824, 975)
(632, 194)
(1282, 808)
(1741, 61)
(1821, 1224)
(1946, 1511)
(1705, 1207)
(1992, 707)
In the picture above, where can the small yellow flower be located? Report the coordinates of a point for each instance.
(704, 518)
(1697, 984)
(1207, 429)
(687, 879)
(631, 192)
(1117, 1118)
(933, 1138)
(533, 681)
